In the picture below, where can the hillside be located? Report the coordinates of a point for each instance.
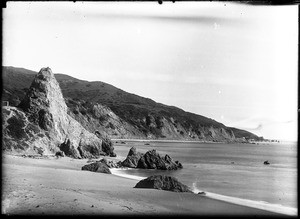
(119, 114)
(41, 124)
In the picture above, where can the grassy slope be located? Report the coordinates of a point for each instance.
(130, 107)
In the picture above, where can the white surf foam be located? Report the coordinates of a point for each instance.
(277, 208)
(118, 172)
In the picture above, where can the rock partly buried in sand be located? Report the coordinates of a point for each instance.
(152, 160)
(107, 145)
(69, 149)
(59, 154)
(100, 167)
(110, 163)
(132, 158)
(163, 182)
(42, 121)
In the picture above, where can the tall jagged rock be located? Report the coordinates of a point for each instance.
(132, 158)
(150, 160)
(119, 114)
(46, 111)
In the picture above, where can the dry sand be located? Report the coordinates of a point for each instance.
(59, 186)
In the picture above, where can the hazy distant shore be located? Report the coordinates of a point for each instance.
(162, 140)
(119, 140)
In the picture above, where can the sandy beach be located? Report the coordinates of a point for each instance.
(54, 186)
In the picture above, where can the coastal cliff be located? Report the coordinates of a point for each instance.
(40, 123)
(112, 112)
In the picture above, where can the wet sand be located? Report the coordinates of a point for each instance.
(58, 186)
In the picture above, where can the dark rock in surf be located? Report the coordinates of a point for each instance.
(132, 158)
(163, 182)
(266, 162)
(152, 160)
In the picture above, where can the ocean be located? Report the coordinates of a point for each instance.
(230, 172)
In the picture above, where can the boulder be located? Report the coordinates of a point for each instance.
(170, 164)
(152, 160)
(59, 154)
(132, 158)
(99, 167)
(163, 182)
(107, 145)
(110, 163)
(69, 149)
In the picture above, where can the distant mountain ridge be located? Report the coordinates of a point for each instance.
(99, 106)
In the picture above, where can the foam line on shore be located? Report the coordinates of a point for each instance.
(277, 208)
(118, 172)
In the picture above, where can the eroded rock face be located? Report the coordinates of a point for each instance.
(46, 111)
(150, 160)
(100, 167)
(69, 149)
(163, 182)
(110, 163)
(22, 136)
(132, 158)
(107, 145)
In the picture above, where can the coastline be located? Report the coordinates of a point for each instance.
(119, 140)
(164, 141)
(276, 208)
(58, 186)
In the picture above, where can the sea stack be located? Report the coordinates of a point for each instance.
(46, 124)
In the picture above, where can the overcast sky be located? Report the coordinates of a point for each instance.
(231, 62)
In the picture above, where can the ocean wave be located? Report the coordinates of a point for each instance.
(119, 172)
(277, 208)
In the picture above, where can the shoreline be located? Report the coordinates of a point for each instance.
(59, 186)
(197, 141)
(160, 140)
(275, 208)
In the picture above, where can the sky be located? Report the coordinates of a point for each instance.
(234, 63)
